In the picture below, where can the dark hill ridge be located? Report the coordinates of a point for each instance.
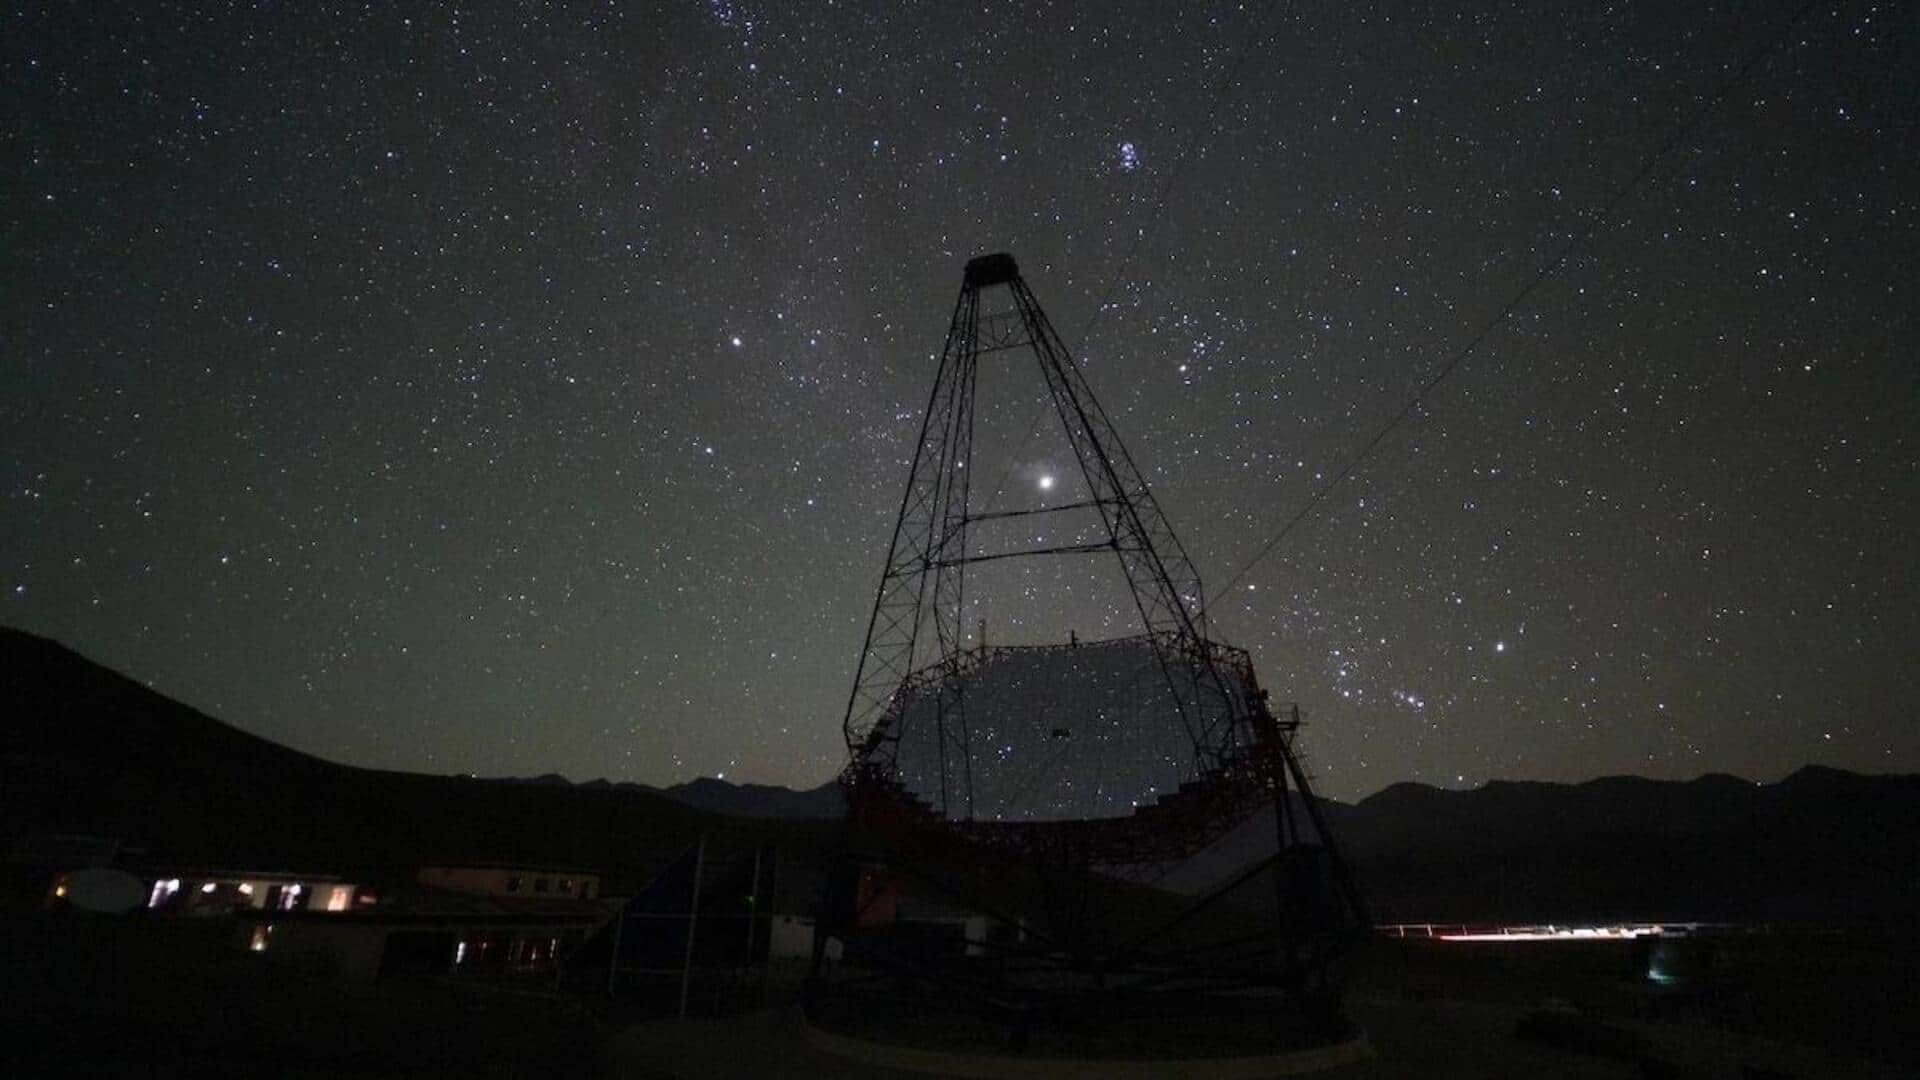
(759, 800)
(1504, 813)
(717, 796)
(85, 750)
(1821, 845)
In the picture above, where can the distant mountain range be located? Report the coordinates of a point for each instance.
(1821, 846)
(716, 796)
(84, 750)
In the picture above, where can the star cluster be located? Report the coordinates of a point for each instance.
(530, 388)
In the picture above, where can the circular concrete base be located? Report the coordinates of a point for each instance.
(1006, 1067)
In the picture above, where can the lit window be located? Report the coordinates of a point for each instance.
(207, 888)
(163, 890)
(262, 935)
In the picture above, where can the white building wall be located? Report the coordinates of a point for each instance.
(792, 939)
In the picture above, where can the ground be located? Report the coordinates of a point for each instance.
(133, 996)
(1429, 1039)
(147, 997)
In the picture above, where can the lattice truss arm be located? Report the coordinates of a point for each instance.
(1165, 585)
(921, 534)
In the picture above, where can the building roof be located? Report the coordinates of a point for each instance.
(425, 906)
(521, 867)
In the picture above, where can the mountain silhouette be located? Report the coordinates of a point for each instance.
(88, 751)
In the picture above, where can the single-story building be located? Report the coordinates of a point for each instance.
(426, 932)
(204, 891)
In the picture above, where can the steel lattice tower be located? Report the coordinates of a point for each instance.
(916, 630)
(1070, 924)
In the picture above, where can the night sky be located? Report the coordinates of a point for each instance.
(530, 388)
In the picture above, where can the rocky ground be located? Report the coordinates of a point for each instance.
(143, 997)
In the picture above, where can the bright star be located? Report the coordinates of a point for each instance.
(1046, 483)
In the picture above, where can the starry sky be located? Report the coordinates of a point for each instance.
(530, 388)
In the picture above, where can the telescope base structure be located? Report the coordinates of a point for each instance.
(994, 940)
